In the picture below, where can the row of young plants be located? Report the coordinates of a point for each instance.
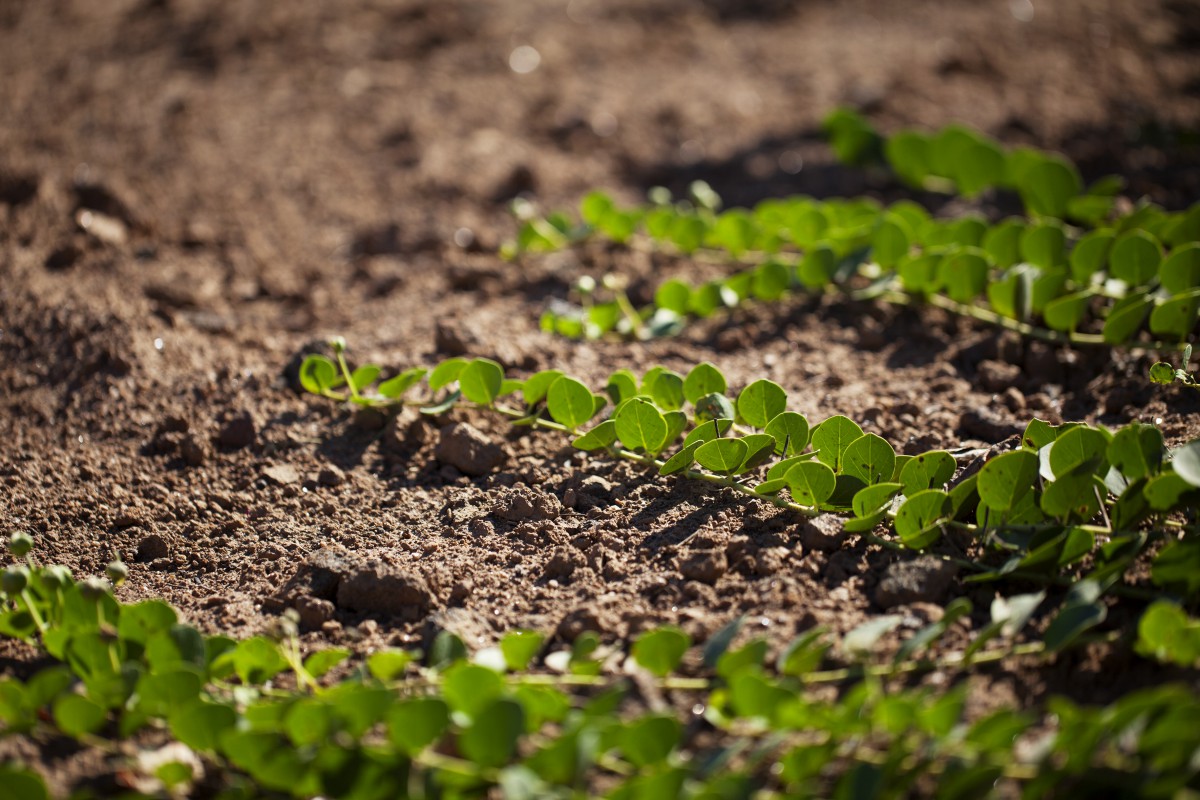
(1075, 269)
(1070, 494)
(223, 718)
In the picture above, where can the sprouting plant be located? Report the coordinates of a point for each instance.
(1163, 372)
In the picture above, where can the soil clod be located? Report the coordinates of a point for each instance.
(922, 580)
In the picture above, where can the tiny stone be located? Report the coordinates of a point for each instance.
(193, 450)
(314, 612)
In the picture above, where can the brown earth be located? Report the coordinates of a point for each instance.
(194, 193)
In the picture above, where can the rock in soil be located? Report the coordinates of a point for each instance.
(996, 376)
(468, 450)
(282, 474)
(521, 504)
(375, 587)
(331, 476)
(922, 580)
(314, 612)
(823, 533)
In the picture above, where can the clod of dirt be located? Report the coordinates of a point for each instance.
(922, 580)
(238, 431)
(521, 504)
(282, 474)
(404, 432)
(987, 425)
(824, 533)
(706, 567)
(314, 612)
(997, 376)
(194, 450)
(151, 548)
(376, 587)
(331, 476)
(466, 449)
(317, 576)
(1042, 365)
(563, 563)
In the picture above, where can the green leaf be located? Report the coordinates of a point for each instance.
(977, 166)
(520, 647)
(1126, 317)
(1072, 493)
(1076, 448)
(890, 241)
(666, 389)
(321, 661)
(395, 387)
(76, 715)
(674, 295)
(492, 740)
(1135, 258)
(703, 379)
(364, 376)
(869, 458)
(681, 460)
(417, 723)
(760, 447)
(1005, 479)
(160, 692)
(714, 406)
(649, 740)
(1177, 316)
(760, 402)
(1166, 634)
(200, 724)
(771, 281)
(599, 437)
(22, 784)
(1047, 186)
(1186, 462)
(481, 380)
(964, 274)
(810, 482)
(1043, 245)
(908, 154)
(1081, 612)
(536, 386)
(1066, 312)
(640, 426)
(257, 660)
(1180, 271)
(790, 431)
(470, 687)
(1177, 567)
(1090, 255)
(873, 498)
(388, 665)
(446, 372)
(817, 269)
(1002, 242)
(1165, 492)
(920, 273)
(1136, 450)
(569, 402)
(832, 438)
(918, 520)
(929, 470)
(660, 651)
(318, 374)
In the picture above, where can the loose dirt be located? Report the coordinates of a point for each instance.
(194, 194)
